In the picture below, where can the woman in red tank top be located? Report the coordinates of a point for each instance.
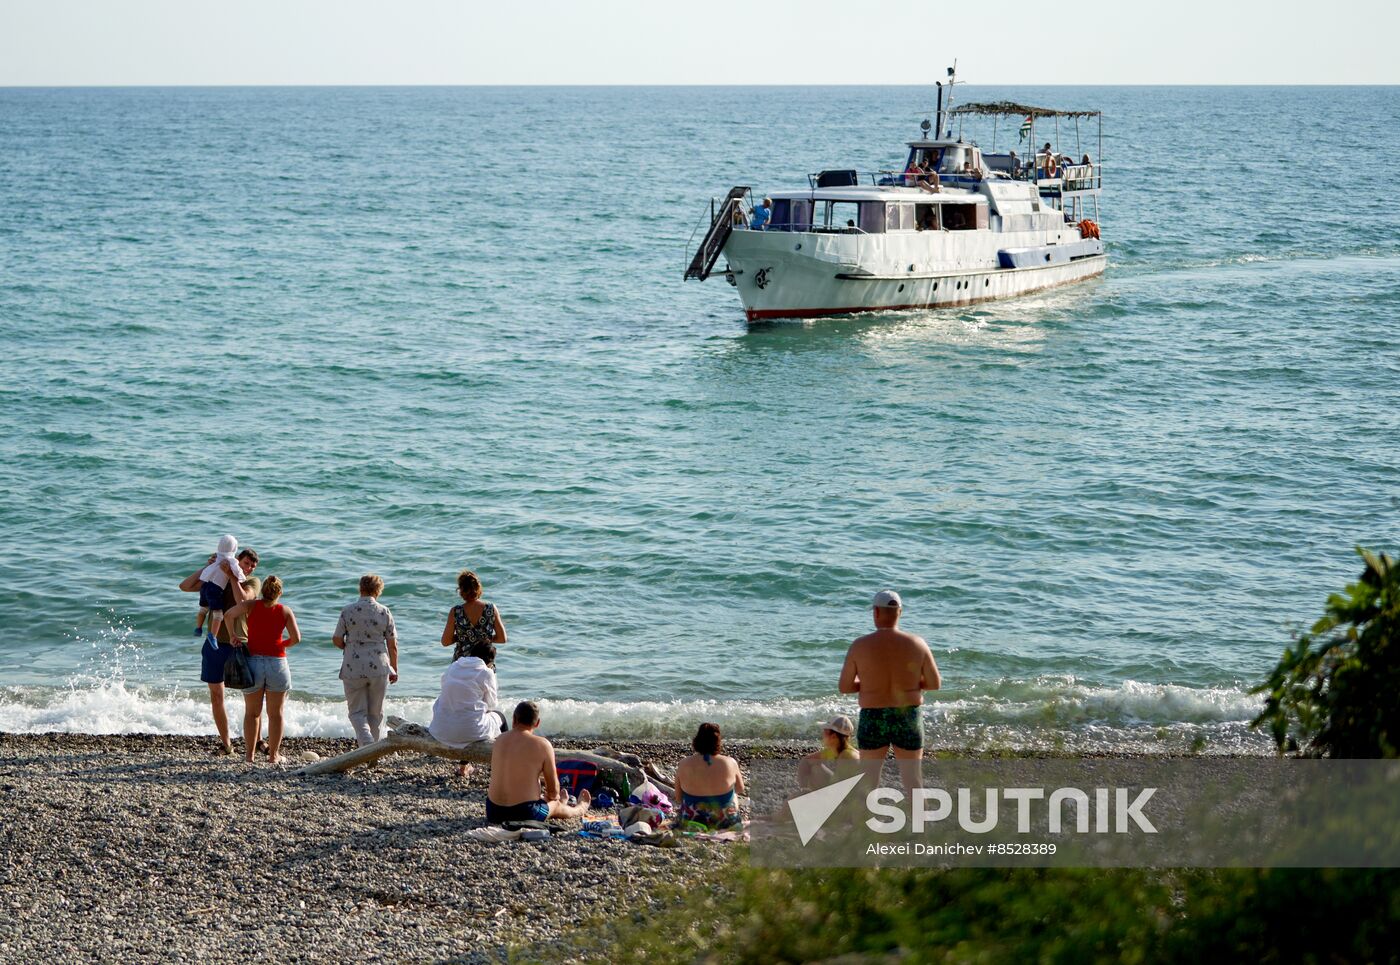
(267, 645)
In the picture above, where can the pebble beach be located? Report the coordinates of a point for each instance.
(145, 848)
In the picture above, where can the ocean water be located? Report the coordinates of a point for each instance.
(412, 330)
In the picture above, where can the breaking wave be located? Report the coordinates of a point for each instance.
(1045, 714)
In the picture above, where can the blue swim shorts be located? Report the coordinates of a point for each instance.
(269, 673)
(528, 811)
(212, 658)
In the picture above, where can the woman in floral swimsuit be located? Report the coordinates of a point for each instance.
(708, 784)
(473, 621)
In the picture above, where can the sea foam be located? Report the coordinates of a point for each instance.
(1048, 715)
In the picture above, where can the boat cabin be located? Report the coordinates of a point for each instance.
(877, 210)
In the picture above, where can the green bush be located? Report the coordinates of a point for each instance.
(927, 915)
(1336, 692)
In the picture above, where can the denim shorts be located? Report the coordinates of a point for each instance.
(269, 673)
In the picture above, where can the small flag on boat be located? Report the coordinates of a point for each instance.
(1025, 128)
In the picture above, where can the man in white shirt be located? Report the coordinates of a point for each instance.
(465, 711)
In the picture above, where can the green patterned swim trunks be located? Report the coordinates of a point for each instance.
(902, 727)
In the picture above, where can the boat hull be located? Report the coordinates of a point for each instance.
(776, 282)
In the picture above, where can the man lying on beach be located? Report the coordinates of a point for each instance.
(890, 669)
(522, 761)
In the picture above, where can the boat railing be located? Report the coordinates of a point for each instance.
(1081, 177)
(807, 228)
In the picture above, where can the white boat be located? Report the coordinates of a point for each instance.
(987, 225)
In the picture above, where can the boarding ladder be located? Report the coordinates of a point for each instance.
(721, 225)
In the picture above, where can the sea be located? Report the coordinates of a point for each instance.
(414, 330)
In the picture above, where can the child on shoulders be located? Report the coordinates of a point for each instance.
(212, 582)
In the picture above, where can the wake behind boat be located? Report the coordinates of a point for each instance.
(955, 226)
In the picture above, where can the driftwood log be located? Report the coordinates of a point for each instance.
(405, 736)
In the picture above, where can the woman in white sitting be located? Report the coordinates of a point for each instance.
(465, 711)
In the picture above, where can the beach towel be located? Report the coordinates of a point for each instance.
(657, 839)
(721, 837)
(534, 826)
(601, 829)
(494, 834)
(632, 814)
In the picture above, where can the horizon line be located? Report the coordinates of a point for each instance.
(357, 85)
(630, 86)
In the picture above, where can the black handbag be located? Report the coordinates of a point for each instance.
(237, 673)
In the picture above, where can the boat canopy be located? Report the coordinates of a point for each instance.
(1018, 110)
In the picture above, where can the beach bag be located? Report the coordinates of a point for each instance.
(649, 795)
(237, 673)
(576, 776)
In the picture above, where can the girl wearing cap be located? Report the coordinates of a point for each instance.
(819, 767)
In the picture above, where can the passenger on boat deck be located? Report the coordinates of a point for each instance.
(761, 214)
(927, 179)
(1047, 160)
(1015, 164)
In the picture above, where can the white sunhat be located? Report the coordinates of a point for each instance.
(889, 598)
(840, 724)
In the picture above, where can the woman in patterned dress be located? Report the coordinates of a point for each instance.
(473, 621)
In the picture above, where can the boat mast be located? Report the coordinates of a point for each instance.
(943, 109)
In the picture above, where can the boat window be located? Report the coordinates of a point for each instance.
(926, 217)
(899, 217)
(872, 217)
(928, 156)
(953, 159)
(964, 217)
(782, 215)
(801, 219)
(836, 215)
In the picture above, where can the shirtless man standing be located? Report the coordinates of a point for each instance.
(890, 669)
(521, 761)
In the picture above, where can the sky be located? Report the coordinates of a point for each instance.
(197, 42)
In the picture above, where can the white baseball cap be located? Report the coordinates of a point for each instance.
(889, 598)
(840, 724)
